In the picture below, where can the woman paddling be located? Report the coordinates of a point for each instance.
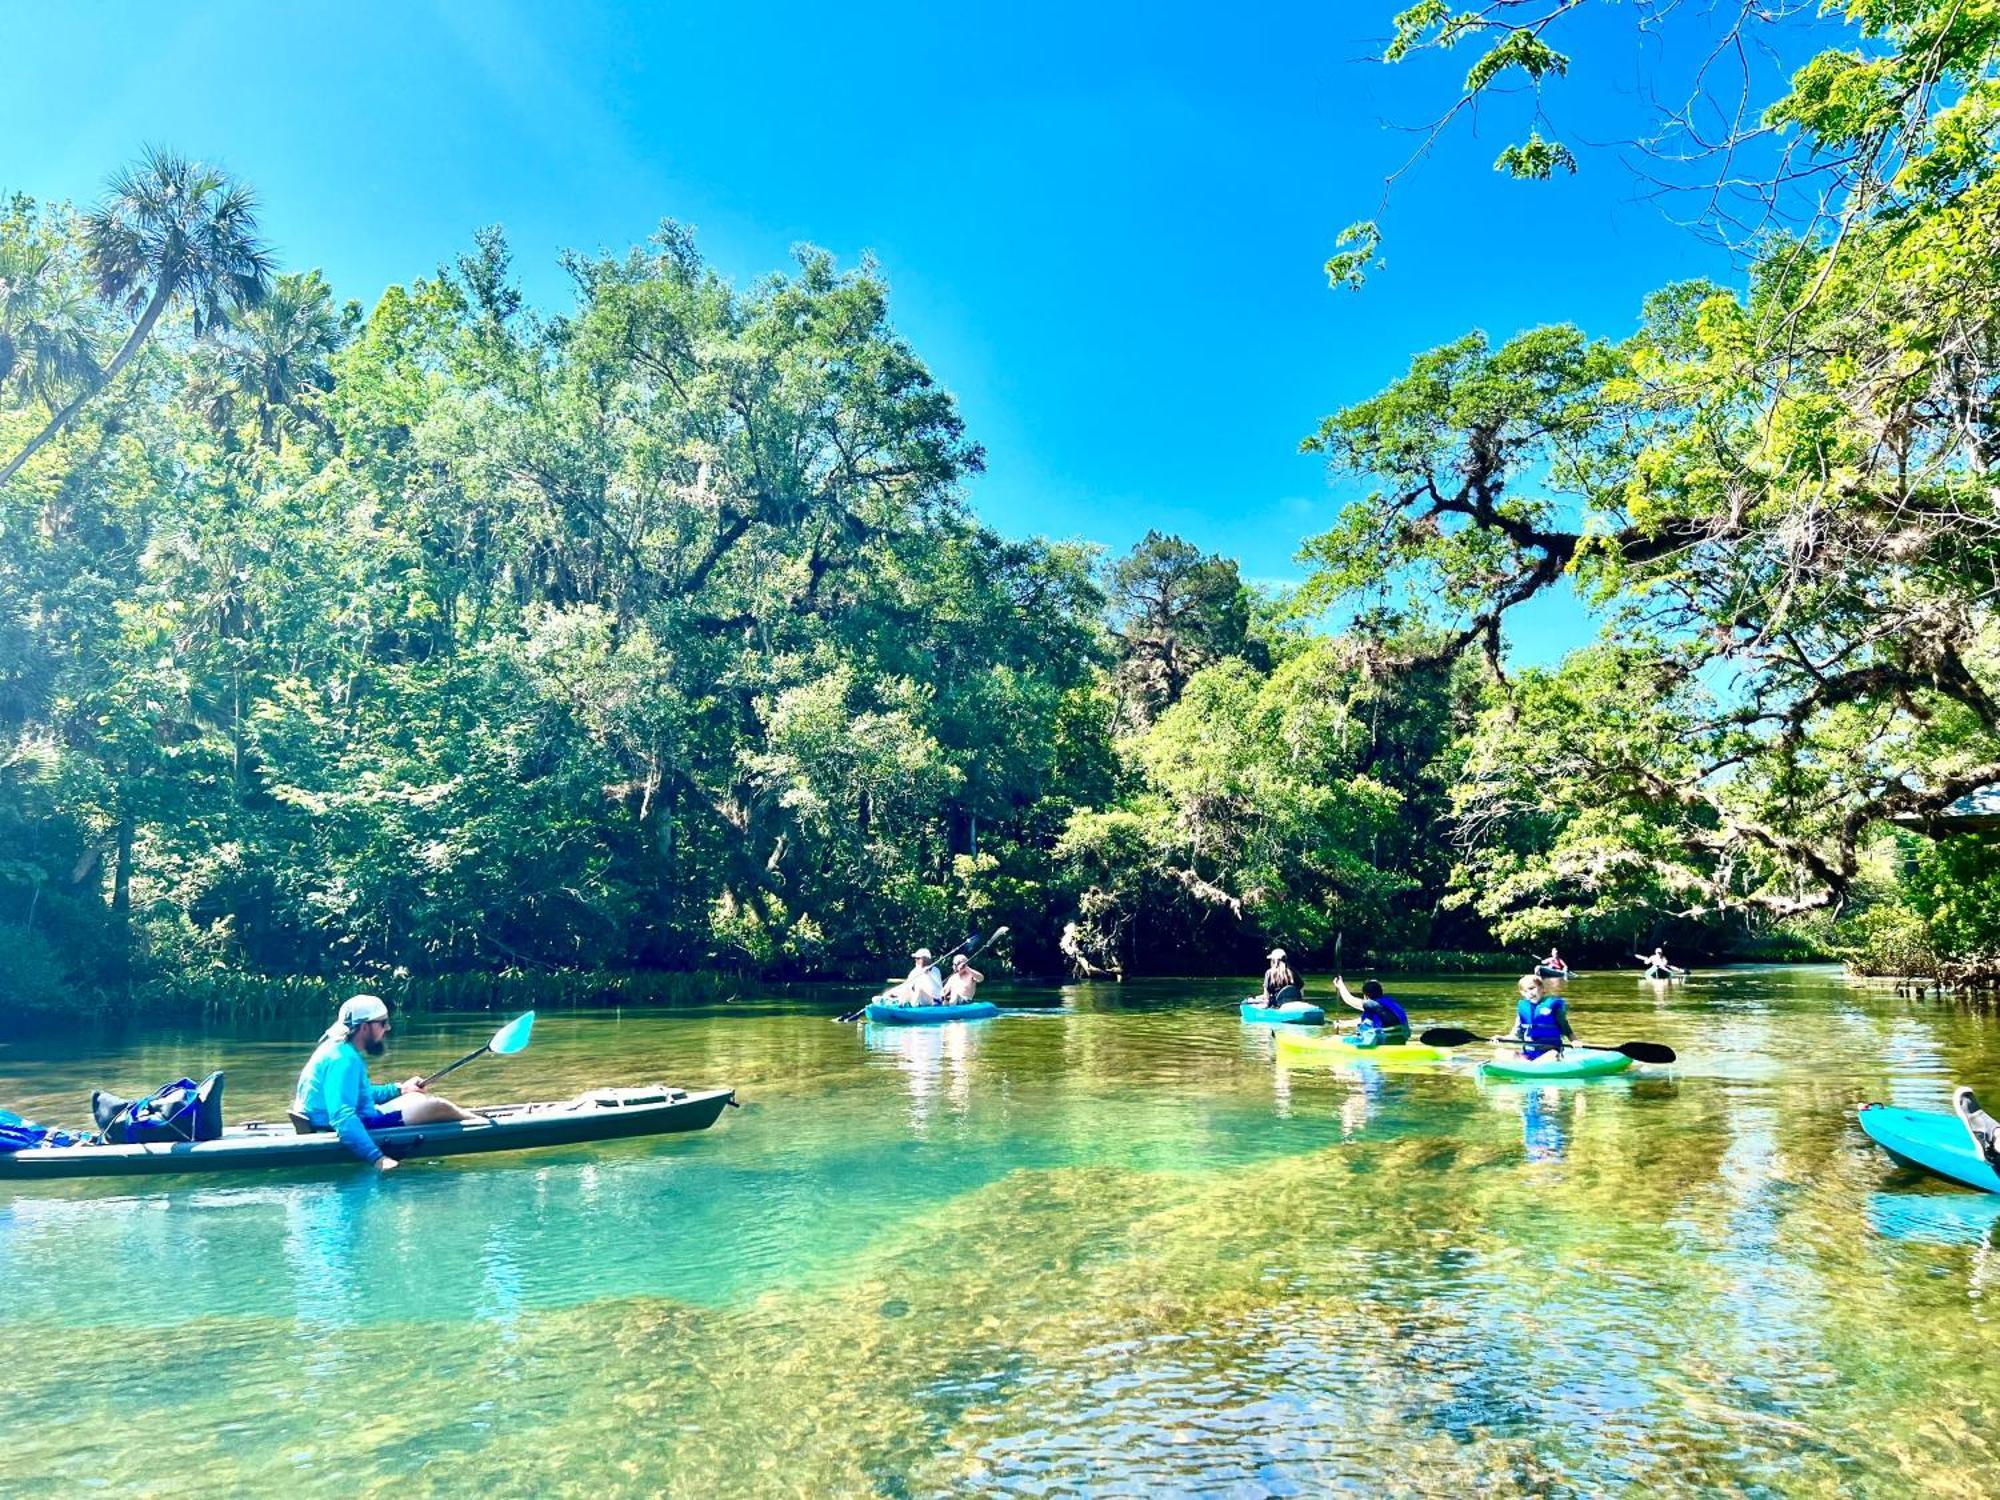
(1278, 979)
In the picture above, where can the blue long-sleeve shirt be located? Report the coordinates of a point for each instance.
(334, 1092)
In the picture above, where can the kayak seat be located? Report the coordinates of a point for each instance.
(300, 1123)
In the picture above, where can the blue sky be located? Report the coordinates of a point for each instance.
(1103, 228)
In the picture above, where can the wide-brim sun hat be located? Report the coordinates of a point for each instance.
(1276, 955)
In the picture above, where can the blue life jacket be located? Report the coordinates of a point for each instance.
(1385, 1013)
(1540, 1021)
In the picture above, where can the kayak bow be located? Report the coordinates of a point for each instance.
(1930, 1141)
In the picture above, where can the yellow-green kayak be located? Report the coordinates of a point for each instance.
(1329, 1048)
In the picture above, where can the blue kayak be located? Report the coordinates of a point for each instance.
(1931, 1141)
(1292, 1013)
(892, 1013)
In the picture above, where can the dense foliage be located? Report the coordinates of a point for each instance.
(457, 636)
(1779, 495)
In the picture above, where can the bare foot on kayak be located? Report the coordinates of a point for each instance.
(1981, 1126)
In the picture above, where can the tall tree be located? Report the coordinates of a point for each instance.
(172, 232)
(1174, 611)
(1781, 495)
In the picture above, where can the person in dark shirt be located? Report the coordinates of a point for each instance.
(1383, 1018)
(1278, 979)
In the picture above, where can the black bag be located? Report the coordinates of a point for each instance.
(179, 1111)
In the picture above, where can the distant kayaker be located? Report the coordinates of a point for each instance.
(1555, 961)
(1383, 1018)
(925, 985)
(1657, 966)
(1982, 1127)
(964, 982)
(334, 1092)
(1279, 978)
(1541, 1019)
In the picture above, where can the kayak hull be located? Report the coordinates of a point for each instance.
(890, 1013)
(1543, 971)
(1570, 1064)
(610, 1114)
(1930, 1141)
(1294, 1013)
(1340, 1051)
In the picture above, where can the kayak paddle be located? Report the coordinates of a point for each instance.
(1645, 1052)
(941, 959)
(508, 1040)
(978, 945)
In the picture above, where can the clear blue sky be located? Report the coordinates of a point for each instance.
(1103, 228)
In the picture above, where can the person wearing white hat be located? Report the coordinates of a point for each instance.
(334, 1092)
(925, 985)
(1278, 979)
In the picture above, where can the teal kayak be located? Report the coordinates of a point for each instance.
(1573, 1063)
(1931, 1141)
(1292, 1013)
(890, 1013)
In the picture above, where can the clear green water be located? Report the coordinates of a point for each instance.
(1107, 1249)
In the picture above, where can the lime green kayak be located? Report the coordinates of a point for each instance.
(1302, 1046)
(1574, 1063)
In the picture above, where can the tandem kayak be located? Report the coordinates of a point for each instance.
(1292, 1013)
(894, 1013)
(1337, 1050)
(1572, 1063)
(1931, 1141)
(600, 1115)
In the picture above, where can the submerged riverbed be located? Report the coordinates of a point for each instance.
(1112, 1248)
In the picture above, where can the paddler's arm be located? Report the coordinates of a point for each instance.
(1347, 996)
(347, 1082)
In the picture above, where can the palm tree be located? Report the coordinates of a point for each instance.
(171, 231)
(48, 346)
(276, 355)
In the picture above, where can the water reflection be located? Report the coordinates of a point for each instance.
(936, 1061)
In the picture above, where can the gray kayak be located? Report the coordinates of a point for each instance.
(599, 1115)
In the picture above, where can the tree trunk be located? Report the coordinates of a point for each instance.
(161, 297)
(121, 902)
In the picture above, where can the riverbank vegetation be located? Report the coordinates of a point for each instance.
(652, 632)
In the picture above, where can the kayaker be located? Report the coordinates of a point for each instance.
(964, 982)
(925, 985)
(1279, 978)
(1982, 1127)
(1657, 966)
(1541, 1019)
(1383, 1018)
(334, 1092)
(1555, 961)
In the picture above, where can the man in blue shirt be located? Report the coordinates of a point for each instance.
(334, 1092)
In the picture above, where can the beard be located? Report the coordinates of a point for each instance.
(376, 1047)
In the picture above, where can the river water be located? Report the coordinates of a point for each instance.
(1109, 1248)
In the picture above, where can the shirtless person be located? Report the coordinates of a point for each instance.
(964, 982)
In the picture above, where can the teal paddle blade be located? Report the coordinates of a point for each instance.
(512, 1037)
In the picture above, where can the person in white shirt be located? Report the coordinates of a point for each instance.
(925, 986)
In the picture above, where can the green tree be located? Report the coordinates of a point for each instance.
(173, 232)
(1174, 610)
